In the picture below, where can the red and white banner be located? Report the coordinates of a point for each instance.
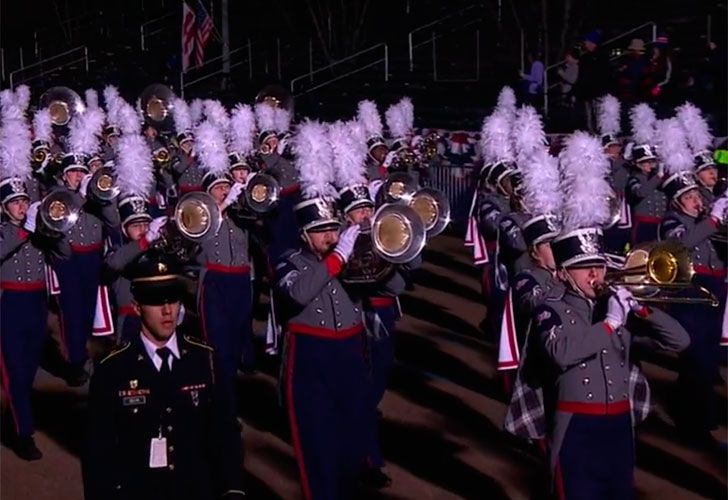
(197, 27)
(103, 320)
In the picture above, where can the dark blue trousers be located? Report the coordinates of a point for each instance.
(700, 363)
(644, 230)
(78, 278)
(225, 302)
(596, 459)
(326, 391)
(23, 321)
(381, 359)
(283, 230)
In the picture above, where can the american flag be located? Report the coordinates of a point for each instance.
(197, 27)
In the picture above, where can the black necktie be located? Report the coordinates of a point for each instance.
(164, 353)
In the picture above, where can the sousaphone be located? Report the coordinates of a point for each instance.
(62, 103)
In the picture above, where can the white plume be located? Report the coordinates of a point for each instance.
(541, 188)
(112, 101)
(84, 129)
(349, 150)
(369, 117)
(642, 120)
(584, 170)
(92, 99)
(134, 165)
(282, 118)
(608, 117)
(507, 103)
(196, 111)
(672, 147)
(42, 125)
(495, 138)
(528, 134)
(242, 129)
(265, 114)
(696, 128)
(400, 118)
(129, 120)
(22, 97)
(217, 114)
(210, 146)
(15, 144)
(182, 116)
(9, 108)
(314, 160)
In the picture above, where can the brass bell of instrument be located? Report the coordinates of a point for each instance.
(433, 207)
(62, 103)
(59, 211)
(161, 158)
(277, 96)
(397, 232)
(40, 155)
(156, 102)
(397, 186)
(103, 186)
(262, 193)
(658, 272)
(197, 216)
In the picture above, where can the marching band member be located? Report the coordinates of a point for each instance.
(325, 372)
(692, 223)
(400, 119)
(646, 200)
(24, 251)
(161, 421)
(242, 137)
(368, 116)
(139, 230)
(224, 290)
(79, 276)
(616, 237)
(45, 149)
(185, 165)
(589, 395)
(700, 141)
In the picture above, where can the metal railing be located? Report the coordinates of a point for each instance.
(411, 42)
(77, 55)
(632, 31)
(246, 51)
(477, 61)
(309, 76)
(153, 27)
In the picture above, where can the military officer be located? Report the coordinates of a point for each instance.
(690, 222)
(24, 252)
(161, 422)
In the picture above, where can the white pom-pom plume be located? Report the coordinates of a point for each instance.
(696, 128)
(84, 131)
(182, 116)
(265, 114)
(349, 150)
(642, 120)
(369, 117)
(242, 129)
(314, 160)
(15, 147)
(211, 148)
(528, 134)
(541, 184)
(134, 165)
(400, 118)
(609, 115)
(672, 147)
(495, 138)
(42, 125)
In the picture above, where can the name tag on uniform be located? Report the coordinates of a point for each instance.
(158, 453)
(134, 400)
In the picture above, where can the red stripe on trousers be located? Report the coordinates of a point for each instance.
(305, 489)
(62, 331)
(201, 310)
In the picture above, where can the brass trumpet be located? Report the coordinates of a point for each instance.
(657, 272)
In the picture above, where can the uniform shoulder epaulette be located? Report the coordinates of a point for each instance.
(197, 342)
(118, 350)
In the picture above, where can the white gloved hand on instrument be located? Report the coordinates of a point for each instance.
(30, 216)
(234, 194)
(155, 229)
(619, 306)
(345, 246)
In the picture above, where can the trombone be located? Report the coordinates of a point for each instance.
(657, 272)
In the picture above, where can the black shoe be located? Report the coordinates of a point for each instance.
(26, 449)
(76, 376)
(375, 478)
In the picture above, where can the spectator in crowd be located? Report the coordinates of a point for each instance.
(568, 74)
(533, 80)
(658, 75)
(631, 72)
(593, 80)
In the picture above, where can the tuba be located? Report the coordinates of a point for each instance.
(62, 103)
(658, 272)
(276, 96)
(59, 211)
(102, 187)
(156, 103)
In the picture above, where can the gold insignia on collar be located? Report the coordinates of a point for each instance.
(133, 384)
(161, 267)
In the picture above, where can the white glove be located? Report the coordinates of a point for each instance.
(719, 208)
(83, 186)
(374, 188)
(155, 229)
(389, 159)
(30, 216)
(233, 195)
(618, 307)
(346, 242)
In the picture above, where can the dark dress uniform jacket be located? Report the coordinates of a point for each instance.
(131, 403)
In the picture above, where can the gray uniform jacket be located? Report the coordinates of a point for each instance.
(695, 235)
(228, 248)
(373, 170)
(93, 219)
(117, 262)
(281, 169)
(512, 248)
(587, 363)
(619, 175)
(187, 170)
(491, 207)
(317, 301)
(644, 196)
(23, 255)
(708, 196)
